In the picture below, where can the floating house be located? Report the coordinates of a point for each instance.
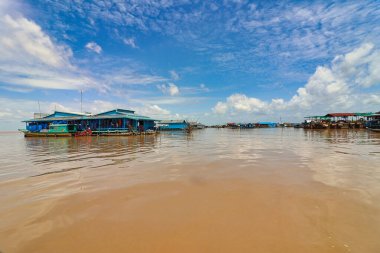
(240, 125)
(232, 125)
(250, 125)
(166, 125)
(117, 120)
(246, 125)
(373, 122)
(338, 120)
(196, 125)
(341, 116)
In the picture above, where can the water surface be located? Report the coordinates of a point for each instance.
(214, 190)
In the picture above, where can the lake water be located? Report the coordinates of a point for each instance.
(213, 190)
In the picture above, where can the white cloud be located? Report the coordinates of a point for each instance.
(220, 108)
(361, 65)
(172, 100)
(22, 36)
(224, 57)
(173, 89)
(336, 87)
(31, 58)
(11, 7)
(174, 75)
(297, 31)
(153, 110)
(130, 42)
(170, 89)
(97, 106)
(127, 76)
(12, 111)
(372, 99)
(92, 46)
(240, 103)
(191, 90)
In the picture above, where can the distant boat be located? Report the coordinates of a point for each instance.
(197, 125)
(374, 122)
(170, 125)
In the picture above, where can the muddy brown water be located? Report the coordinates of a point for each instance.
(258, 190)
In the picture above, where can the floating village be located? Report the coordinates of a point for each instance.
(126, 122)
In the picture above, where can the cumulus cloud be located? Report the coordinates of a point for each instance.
(29, 57)
(153, 110)
(241, 103)
(220, 108)
(130, 42)
(334, 87)
(92, 46)
(170, 89)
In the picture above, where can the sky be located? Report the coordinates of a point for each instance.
(211, 61)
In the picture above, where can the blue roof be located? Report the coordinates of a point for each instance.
(64, 114)
(113, 114)
(116, 112)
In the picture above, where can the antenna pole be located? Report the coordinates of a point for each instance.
(81, 101)
(39, 107)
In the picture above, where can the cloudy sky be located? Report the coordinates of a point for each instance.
(213, 61)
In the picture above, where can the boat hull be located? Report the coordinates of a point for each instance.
(39, 134)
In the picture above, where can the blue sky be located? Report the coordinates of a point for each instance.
(213, 61)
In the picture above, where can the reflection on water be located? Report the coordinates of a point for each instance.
(34, 156)
(344, 158)
(37, 172)
(337, 157)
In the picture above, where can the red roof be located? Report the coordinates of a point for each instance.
(340, 114)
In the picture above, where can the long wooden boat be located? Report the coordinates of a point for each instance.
(47, 134)
(55, 130)
(374, 125)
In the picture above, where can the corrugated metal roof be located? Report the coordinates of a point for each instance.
(135, 117)
(340, 114)
(116, 111)
(66, 114)
(364, 114)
